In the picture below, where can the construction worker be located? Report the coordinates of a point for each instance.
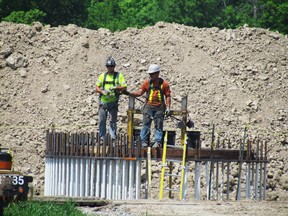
(158, 102)
(109, 85)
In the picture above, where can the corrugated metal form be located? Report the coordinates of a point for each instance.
(79, 165)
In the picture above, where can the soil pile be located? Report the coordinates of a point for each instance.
(232, 78)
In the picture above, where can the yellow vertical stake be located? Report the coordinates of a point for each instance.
(164, 164)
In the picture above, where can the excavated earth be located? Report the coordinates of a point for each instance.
(233, 78)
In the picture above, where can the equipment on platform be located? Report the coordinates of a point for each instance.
(14, 185)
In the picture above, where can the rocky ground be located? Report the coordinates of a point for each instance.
(233, 78)
(203, 208)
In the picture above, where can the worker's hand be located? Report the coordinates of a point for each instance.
(112, 88)
(125, 92)
(106, 93)
(167, 112)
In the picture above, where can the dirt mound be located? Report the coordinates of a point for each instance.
(232, 77)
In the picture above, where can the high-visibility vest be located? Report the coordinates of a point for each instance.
(152, 88)
(116, 74)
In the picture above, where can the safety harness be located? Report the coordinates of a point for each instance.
(153, 88)
(115, 77)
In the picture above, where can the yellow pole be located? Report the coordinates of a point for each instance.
(163, 166)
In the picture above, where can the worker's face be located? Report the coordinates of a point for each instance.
(110, 69)
(154, 76)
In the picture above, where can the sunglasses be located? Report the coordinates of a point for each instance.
(109, 66)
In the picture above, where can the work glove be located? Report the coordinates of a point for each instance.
(112, 88)
(106, 93)
(167, 112)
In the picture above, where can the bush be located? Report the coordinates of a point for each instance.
(27, 17)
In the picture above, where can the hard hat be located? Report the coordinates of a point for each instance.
(110, 62)
(153, 68)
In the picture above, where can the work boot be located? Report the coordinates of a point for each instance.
(144, 145)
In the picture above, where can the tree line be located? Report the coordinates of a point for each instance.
(121, 14)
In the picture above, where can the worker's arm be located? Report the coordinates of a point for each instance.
(99, 90)
(168, 102)
(120, 88)
(137, 93)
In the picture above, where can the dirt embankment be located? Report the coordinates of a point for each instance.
(232, 77)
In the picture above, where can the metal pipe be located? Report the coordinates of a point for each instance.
(82, 176)
(247, 191)
(197, 180)
(124, 179)
(228, 181)
(87, 177)
(93, 182)
(207, 179)
(98, 178)
(131, 179)
(222, 181)
(138, 180)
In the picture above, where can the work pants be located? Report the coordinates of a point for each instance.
(104, 110)
(152, 113)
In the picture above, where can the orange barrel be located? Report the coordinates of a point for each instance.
(5, 161)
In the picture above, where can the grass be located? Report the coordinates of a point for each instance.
(40, 208)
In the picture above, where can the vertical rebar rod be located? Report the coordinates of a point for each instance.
(252, 185)
(211, 162)
(228, 172)
(257, 170)
(261, 171)
(238, 192)
(170, 178)
(217, 172)
(265, 171)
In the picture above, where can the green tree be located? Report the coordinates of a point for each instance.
(63, 12)
(8, 6)
(104, 14)
(25, 17)
(274, 15)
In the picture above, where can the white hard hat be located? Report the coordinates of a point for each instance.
(153, 68)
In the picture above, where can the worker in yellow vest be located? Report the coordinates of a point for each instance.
(157, 105)
(109, 85)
